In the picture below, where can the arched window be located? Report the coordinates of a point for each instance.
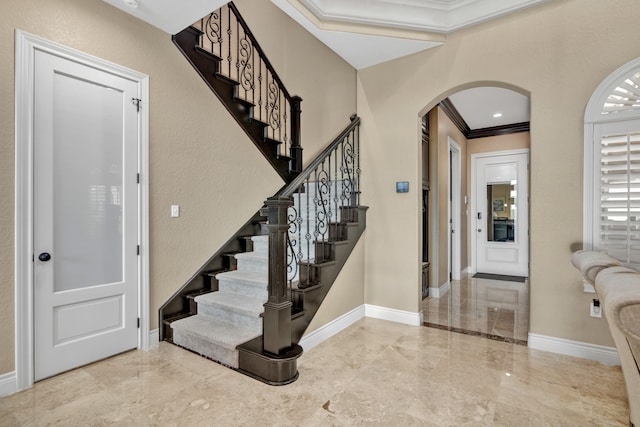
(612, 166)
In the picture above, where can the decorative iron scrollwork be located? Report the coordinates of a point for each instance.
(212, 28)
(328, 187)
(242, 60)
(273, 112)
(294, 220)
(245, 69)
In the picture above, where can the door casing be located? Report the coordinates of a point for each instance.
(454, 210)
(26, 45)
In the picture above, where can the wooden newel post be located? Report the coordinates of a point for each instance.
(276, 321)
(296, 147)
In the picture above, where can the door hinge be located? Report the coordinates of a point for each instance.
(138, 323)
(138, 250)
(138, 178)
(137, 102)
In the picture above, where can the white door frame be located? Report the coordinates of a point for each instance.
(26, 45)
(474, 199)
(454, 209)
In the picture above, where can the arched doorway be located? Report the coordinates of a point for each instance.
(463, 226)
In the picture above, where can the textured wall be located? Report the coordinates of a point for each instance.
(446, 130)
(199, 157)
(558, 53)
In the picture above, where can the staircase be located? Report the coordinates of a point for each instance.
(229, 59)
(232, 315)
(249, 305)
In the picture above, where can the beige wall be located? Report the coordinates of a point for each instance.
(447, 129)
(199, 157)
(347, 291)
(557, 52)
(514, 141)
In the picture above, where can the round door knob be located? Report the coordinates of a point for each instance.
(44, 256)
(479, 230)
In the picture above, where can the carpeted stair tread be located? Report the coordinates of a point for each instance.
(251, 261)
(212, 338)
(254, 277)
(253, 256)
(233, 302)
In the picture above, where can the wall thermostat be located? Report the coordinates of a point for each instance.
(402, 187)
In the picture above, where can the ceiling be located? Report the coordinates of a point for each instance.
(478, 105)
(369, 32)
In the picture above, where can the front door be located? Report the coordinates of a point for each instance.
(501, 214)
(85, 214)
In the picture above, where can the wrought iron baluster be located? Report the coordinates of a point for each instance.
(237, 54)
(330, 213)
(285, 145)
(316, 233)
(279, 113)
(335, 180)
(292, 259)
(245, 72)
(357, 134)
(322, 189)
(299, 222)
(260, 88)
(253, 78)
(342, 195)
(308, 234)
(274, 107)
(229, 57)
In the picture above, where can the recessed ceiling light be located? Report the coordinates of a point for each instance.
(131, 3)
(496, 115)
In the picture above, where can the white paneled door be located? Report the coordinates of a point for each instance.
(501, 216)
(85, 214)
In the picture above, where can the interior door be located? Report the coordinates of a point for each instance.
(85, 215)
(501, 216)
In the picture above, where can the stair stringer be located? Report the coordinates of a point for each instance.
(208, 67)
(178, 305)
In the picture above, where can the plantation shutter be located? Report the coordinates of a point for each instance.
(619, 222)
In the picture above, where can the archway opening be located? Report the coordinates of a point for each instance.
(474, 211)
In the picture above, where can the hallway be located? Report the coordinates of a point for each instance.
(493, 309)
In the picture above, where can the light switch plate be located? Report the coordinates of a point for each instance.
(175, 211)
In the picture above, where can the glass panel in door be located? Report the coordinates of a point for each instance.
(501, 220)
(87, 184)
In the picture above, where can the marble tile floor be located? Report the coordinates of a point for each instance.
(492, 308)
(372, 373)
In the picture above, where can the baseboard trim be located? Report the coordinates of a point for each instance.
(154, 338)
(393, 315)
(466, 271)
(441, 291)
(599, 353)
(8, 383)
(325, 332)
